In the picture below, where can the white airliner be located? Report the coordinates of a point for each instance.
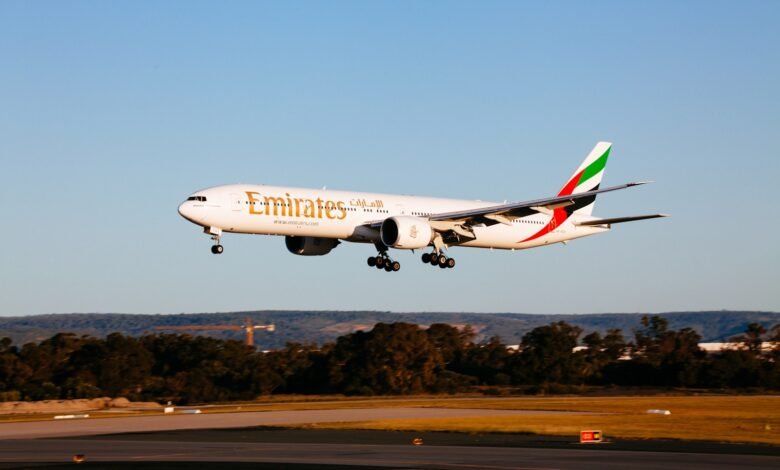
(314, 221)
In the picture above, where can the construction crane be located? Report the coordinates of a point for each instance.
(248, 327)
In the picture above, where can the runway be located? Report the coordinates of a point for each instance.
(143, 453)
(244, 440)
(96, 426)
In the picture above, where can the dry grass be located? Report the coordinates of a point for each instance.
(715, 418)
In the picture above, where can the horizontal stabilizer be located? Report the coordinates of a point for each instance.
(618, 220)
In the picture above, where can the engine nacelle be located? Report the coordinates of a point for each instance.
(310, 246)
(406, 232)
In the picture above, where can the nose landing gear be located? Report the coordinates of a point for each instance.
(215, 233)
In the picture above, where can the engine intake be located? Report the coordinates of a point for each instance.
(406, 232)
(310, 246)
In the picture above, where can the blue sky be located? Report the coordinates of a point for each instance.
(111, 113)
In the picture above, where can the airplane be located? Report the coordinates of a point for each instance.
(314, 221)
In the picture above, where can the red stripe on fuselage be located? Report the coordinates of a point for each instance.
(559, 217)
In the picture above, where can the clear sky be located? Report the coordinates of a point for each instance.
(112, 112)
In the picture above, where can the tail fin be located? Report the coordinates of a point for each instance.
(587, 178)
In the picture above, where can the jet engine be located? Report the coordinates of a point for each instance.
(310, 246)
(406, 232)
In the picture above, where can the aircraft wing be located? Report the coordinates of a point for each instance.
(504, 212)
(459, 223)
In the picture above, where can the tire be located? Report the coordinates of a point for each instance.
(380, 262)
(443, 266)
(371, 261)
(388, 267)
(396, 266)
(450, 262)
(426, 257)
(442, 260)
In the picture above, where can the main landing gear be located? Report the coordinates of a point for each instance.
(439, 259)
(382, 261)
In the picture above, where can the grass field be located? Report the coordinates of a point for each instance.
(754, 419)
(748, 419)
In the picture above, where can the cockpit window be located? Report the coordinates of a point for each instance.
(197, 198)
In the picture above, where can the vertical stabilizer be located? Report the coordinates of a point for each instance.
(587, 178)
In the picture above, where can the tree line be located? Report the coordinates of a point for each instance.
(392, 358)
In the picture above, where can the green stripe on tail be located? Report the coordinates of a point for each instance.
(594, 168)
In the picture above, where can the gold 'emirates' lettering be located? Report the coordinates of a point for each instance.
(288, 206)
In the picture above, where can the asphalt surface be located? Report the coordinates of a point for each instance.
(148, 454)
(236, 439)
(96, 426)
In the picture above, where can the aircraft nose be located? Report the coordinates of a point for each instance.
(185, 210)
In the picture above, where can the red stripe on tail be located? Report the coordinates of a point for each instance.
(569, 188)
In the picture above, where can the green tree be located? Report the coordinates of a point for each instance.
(450, 341)
(547, 354)
(753, 338)
(14, 373)
(391, 358)
(49, 364)
(736, 368)
(772, 360)
(614, 344)
(746, 366)
(594, 357)
(671, 358)
(489, 362)
(302, 367)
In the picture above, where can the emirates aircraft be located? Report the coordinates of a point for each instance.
(315, 221)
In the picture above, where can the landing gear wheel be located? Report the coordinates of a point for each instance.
(217, 249)
(371, 261)
(434, 259)
(396, 266)
(441, 260)
(380, 262)
(389, 267)
(426, 257)
(450, 262)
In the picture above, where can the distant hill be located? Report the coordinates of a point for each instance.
(322, 326)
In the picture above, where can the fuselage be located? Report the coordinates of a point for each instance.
(347, 215)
